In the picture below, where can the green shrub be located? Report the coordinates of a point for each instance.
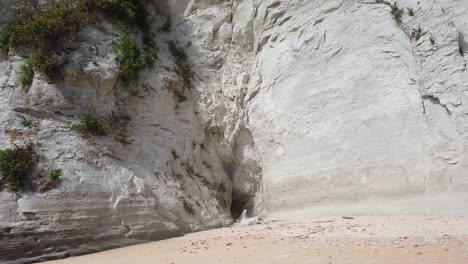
(54, 175)
(42, 30)
(90, 124)
(26, 72)
(410, 11)
(51, 181)
(129, 12)
(133, 61)
(26, 122)
(396, 13)
(217, 131)
(48, 65)
(416, 34)
(15, 165)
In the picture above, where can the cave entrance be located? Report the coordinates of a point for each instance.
(237, 206)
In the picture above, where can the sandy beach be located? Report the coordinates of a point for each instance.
(322, 240)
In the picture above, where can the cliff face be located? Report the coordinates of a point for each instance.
(167, 182)
(342, 106)
(298, 108)
(354, 113)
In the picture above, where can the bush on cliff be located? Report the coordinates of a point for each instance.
(133, 59)
(42, 28)
(90, 124)
(15, 165)
(26, 73)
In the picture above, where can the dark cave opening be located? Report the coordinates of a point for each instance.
(237, 206)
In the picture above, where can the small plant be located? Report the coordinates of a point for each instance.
(416, 34)
(16, 164)
(396, 13)
(217, 131)
(51, 181)
(26, 122)
(48, 65)
(90, 124)
(54, 175)
(26, 73)
(128, 12)
(188, 207)
(410, 11)
(133, 61)
(174, 154)
(432, 40)
(95, 64)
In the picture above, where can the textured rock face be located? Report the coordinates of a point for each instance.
(355, 116)
(168, 182)
(346, 111)
(327, 107)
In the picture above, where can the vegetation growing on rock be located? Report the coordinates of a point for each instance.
(26, 122)
(217, 131)
(416, 34)
(397, 13)
(90, 124)
(26, 73)
(133, 59)
(15, 165)
(41, 29)
(51, 181)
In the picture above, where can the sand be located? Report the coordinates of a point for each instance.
(323, 240)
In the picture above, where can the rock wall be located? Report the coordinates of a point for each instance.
(326, 107)
(167, 182)
(338, 108)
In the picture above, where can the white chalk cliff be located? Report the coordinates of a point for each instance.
(327, 107)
